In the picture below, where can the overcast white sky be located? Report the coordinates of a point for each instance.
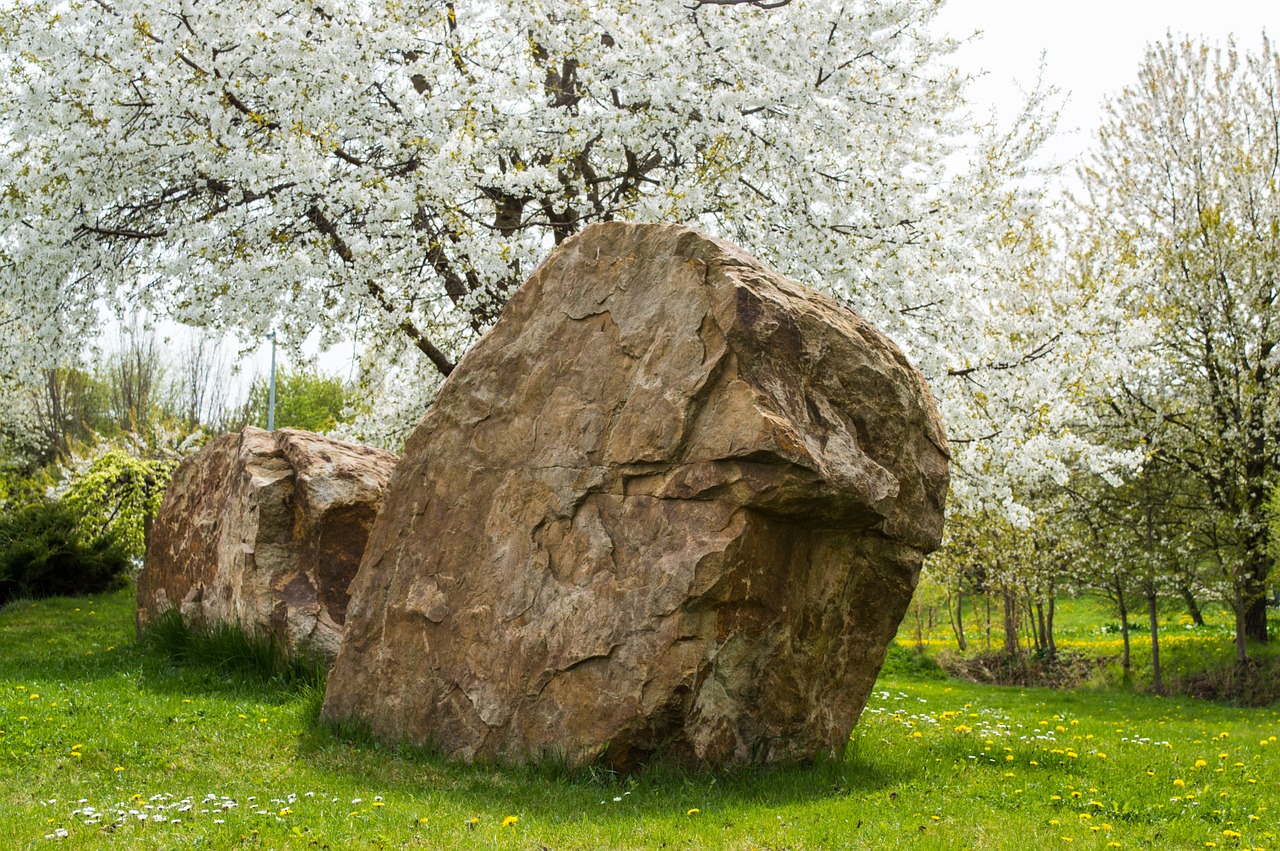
(1091, 48)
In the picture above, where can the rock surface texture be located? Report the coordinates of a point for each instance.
(265, 529)
(672, 503)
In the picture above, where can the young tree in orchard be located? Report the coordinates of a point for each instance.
(395, 169)
(1183, 190)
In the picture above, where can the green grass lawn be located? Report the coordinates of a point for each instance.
(104, 743)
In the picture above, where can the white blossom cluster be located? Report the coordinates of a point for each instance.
(390, 170)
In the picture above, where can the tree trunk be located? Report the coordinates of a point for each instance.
(1157, 683)
(1012, 646)
(957, 622)
(988, 596)
(1124, 628)
(1053, 646)
(1255, 594)
(1193, 607)
(1242, 649)
(919, 628)
(1042, 641)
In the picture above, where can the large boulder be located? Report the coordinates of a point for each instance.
(672, 503)
(265, 530)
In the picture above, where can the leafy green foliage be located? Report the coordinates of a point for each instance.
(305, 399)
(19, 486)
(900, 661)
(117, 494)
(45, 552)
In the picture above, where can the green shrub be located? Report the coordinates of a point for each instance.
(900, 661)
(45, 552)
(117, 494)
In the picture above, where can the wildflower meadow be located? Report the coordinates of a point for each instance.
(105, 742)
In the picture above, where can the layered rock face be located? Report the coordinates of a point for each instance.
(265, 530)
(672, 503)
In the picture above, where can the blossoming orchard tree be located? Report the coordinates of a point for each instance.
(1184, 203)
(392, 170)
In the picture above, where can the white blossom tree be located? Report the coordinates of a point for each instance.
(393, 169)
(1183, 198)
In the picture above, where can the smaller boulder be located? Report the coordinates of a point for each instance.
(265, 530)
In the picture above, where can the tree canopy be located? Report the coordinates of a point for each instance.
(393, 170)
(1184, 205)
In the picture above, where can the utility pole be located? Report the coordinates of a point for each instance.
(271, 393)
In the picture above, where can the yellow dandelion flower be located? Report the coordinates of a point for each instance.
(1102, 756)
(118, 768)
(1200, 763)
(1054, 821)
(693, 812)
(1179, 782)
(1033, 762)
(510, 821)
(422, 820)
